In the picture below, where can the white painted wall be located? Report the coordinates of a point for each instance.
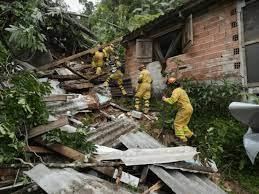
(158, 84)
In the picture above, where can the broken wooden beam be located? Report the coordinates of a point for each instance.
(119, 107)
(77, 86)
(154, 188)
(54, 98)
(75, 72)
(63, 150)
(7, 171)
(37, 149)
(78, 25)
(144, 173)
(48, 127)
(75, 56)
(63, 77)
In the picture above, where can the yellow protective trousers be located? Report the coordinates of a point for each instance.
(118, 77)
(143, 92)
(98, 62)
(181, 121)
(183, 116)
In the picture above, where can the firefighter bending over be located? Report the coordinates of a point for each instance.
(116, 74)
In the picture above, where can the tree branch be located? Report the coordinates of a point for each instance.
(86, 16)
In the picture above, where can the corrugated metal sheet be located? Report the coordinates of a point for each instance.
(109, 133)
(183, 183)
(69, 181)
(133, 157)
(179, 182)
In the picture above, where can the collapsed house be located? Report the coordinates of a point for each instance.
(124, 156)
(214, 39)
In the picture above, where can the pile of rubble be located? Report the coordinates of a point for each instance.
(125, 156)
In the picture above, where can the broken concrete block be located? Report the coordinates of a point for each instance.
(136, 114)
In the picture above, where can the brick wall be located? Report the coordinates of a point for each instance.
(212, 54)
(131, 68)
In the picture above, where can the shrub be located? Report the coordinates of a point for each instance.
(21, 107)
(218, 134)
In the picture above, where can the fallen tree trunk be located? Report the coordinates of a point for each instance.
(84, 29)
(75, 56)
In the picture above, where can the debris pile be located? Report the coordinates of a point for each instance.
(123, 153)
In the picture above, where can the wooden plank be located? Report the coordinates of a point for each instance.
(144, 50)
(75, 72)
(37, 149)
(7, 172)
(67, 151)
(75, 155)
(63, 77)
(63, 150)
(159, 53)
(79, 86)
(54, 98)
(61, 61)
(187, 39)
(172, 48)
(154, 188)
(144, 173)
(119, 107)
(46, 128)
(166, 31)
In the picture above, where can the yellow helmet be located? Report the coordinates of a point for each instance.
(171, 80)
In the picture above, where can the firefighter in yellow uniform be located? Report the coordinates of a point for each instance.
(108, 51)
(143, 90)
(116, 74)
(185, 110)
(98, 61)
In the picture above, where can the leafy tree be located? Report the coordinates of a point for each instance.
(128, 15)
(28, 26)
(88, 6)
(21, 108)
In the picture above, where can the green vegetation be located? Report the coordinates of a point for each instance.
(77, 141)
(21, 108)
(125, 15)
(218, 135)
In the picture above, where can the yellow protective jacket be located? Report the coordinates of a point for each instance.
(118, 76)
(145, 77)
(144, 86)
(108, 51)
(185, 110)
(98, 59)
(180, 98)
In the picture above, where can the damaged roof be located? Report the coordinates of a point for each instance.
(173, 17)
(179, 182)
